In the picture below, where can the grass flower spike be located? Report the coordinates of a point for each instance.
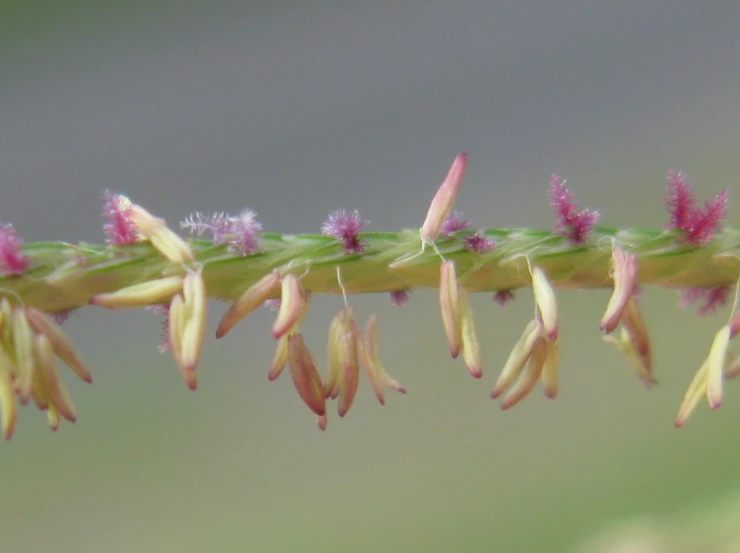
(143, 263)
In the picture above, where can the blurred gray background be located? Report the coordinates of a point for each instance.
(297, 108)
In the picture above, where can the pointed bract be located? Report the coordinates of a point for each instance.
(624, 266)
(444, 200)
(544, 296)
(305, 376)
(140, 295)
(449, 306)
(470, 347)
(291, 304)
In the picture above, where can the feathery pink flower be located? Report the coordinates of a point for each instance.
(240, 232)
(710, 298)
(119, 227)
(479, 243)
(399, 298)
(697, 225)
(12, 261)
(569, 220)
(345, 227)
(502, 297)
(453, 223)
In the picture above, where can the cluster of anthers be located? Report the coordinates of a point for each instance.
(30, 339)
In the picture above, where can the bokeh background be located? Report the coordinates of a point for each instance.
(298, 108)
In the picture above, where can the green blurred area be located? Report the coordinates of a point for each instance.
(240, 465)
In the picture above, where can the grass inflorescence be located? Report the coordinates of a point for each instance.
(144, 263)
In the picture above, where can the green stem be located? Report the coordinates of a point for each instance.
(64, 276)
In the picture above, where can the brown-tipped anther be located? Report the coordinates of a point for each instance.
(253, 297)
(49, 380)
(23, 350)
(529, 376)
(624, 266)
(155, 229)
(544, 297)
(321, 422)
(280, 358)
(291, 305)
(550, 370)
(449, 306)
(635, 326)
(44, 324)
(8, 406)
(373, 366)
(693, 395)
(194, 320)
(306, 377)
(716, 367)
(470, 347)
(148, 293)
(343, 371)
(444, 200)
(350, 363)
(176, 326)
(518, 357)
(52, 416)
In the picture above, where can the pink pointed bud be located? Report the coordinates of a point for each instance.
(529, 376)
(49, 380)
(470, 347)
(291, 304)
(444, 200)
(625, 279)
(448, 301)
(305, 376)
(716, 367)
(23, 350)
(193, 332)
(251, 299)
(544, 296)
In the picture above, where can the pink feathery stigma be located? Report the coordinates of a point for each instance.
(502, 297)
(711, 298)
(453, 223)
(569, 221)
(240, 232)
(164, 328)
(119, 227)
(60, 317)
(479, 243)
(697, 225)
(12, 261)
(399, 298)
(680, 200)
(346, 227)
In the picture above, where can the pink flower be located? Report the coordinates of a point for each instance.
(12, 261)
(453, 223)
(569, 221)
(346, 227)
(711, 298)
(697, 225)
(240, 232)
(119, 227)
(399, 298)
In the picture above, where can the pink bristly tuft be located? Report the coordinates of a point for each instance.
(711, 298)
(479, 243)
(119, 228)
(12, 261)
(346, 227)
(569, 220)
(240, 232)
(454, 223)
(502, 297)
(697, 225)
(399, 298)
